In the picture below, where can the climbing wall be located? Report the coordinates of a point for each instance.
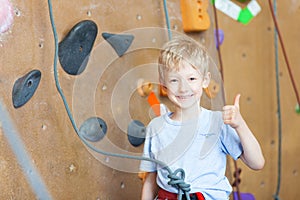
(249, 68)
(41, 155)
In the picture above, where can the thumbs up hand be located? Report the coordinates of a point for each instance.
(231, 113)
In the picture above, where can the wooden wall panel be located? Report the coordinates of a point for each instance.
(68, 168)
(249, 70)
(249, 60)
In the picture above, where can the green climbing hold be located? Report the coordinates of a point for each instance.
(245, 16)
(297, 109)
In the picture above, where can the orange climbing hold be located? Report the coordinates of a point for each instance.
(194, 15)
(144, 88)
(212, 89)
(154, 103)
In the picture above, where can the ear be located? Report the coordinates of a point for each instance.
(162, 82)
(206, 80)
(162, 90)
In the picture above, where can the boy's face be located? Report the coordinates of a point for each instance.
(184, 87)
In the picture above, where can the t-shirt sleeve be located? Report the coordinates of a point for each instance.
(148, 166)
(231, 143)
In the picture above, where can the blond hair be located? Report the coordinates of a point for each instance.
(179, 49)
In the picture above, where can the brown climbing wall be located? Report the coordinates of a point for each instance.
(249, 68)
(68, 169)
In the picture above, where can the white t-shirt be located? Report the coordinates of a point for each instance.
(199, 147)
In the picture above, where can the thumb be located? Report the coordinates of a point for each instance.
(237, 101)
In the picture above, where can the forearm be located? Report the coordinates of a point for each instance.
(149, 187)
(252, 154)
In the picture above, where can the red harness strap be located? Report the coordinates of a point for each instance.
(200, 196)
(165, 195)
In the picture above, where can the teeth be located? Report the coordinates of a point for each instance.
(184, 97)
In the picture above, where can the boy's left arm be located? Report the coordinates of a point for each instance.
(252, 155)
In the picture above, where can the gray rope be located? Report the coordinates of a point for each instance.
(176, 181)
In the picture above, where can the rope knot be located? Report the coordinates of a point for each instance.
(178, 181)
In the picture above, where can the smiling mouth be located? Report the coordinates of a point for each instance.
(184, 97)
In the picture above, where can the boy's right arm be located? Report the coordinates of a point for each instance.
(149, 187)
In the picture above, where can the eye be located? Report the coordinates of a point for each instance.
(192, 78)
(173, 80)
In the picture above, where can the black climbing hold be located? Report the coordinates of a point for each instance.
(74, 50)
(25, 87)
(93, 129)
(120, 42)
(136, 133)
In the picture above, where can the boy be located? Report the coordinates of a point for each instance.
(179, 138)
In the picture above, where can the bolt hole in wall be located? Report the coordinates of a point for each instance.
(41, 44)
(17, 12)
(89, 13)
(122, 185)
(44, 127)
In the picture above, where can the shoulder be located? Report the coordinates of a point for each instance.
(214, 116)
(163, 123)
(157, 121)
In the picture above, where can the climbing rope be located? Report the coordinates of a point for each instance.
(273, 11)
(167, 19)
(277, 32)
(176, 180)
(277, 35)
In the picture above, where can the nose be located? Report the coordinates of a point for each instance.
(183, 86)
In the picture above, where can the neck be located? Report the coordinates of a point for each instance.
(181, 114)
